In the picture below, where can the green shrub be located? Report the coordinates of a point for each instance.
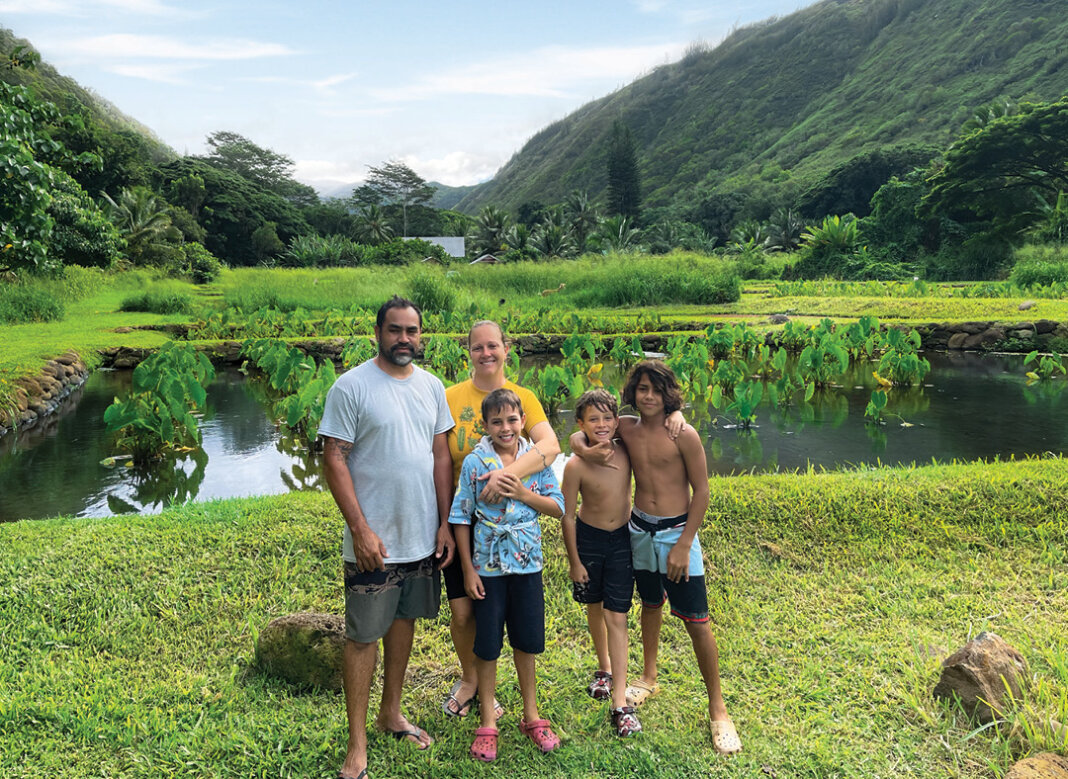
(431, 291)
(29, 303)
(201, 266)
(307, 251)
(650, 283)
(1040, 265)
(79, 283)
(159, 299)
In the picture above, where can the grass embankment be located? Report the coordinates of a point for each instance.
(91, 313)
(128, 642)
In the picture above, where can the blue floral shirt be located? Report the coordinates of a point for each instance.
(507, 536)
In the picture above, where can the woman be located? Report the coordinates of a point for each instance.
(488, 352)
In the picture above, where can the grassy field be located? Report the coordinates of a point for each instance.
(129, 642)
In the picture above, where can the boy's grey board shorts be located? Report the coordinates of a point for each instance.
(651, 540)
(374, 599)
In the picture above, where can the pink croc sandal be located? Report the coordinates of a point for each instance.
(541, 734)
(484, 747)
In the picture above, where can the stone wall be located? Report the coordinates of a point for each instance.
(38, 396)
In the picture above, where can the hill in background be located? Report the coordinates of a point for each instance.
(778, 105)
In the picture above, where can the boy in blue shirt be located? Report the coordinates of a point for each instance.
(502, 567)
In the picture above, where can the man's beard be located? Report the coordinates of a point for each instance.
(398, 356)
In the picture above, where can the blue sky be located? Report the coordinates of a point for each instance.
(452, 89)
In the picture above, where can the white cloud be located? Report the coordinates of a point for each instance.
(456, 168)
(162, 73)
(552, 71)
(323, 86)
(650, 6)
(80, 8)
(329, 170)
(35, 7)
(159, 47)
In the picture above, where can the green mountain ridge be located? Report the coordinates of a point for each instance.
(778, 105)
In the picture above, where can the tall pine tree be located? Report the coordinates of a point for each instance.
(624, 183)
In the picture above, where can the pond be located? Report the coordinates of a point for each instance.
(971, 407)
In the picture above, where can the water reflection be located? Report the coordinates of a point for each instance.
(972, 407)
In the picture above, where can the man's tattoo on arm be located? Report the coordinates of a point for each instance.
(339, 450)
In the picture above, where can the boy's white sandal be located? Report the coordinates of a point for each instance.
(640, 691)
(725, 737)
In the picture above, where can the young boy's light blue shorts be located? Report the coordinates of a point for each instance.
(650, 549)
(651, 539)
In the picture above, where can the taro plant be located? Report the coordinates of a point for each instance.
(901, 364)
(554, 384)
(445, 358)
(823, 360)
(1046, 366)
(743, 403)
(874, 411)
(862, 338)
(624, 353)
(158, 414)
(298, 383)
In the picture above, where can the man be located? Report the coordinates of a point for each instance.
(388, 467)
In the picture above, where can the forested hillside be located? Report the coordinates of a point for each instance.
(760, 119)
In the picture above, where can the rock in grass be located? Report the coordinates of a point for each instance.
(304, 649)
(985, 675)
(1044, 766)
(1026, 305)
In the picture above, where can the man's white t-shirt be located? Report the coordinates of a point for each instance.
(392, 424)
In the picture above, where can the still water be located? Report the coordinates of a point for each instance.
(971, 407)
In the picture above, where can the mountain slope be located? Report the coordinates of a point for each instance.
(787, 100)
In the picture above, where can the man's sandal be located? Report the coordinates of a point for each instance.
(413, 735)
(725, 737)
(625, 721)
(639, 692)
(601, 686)
(453, 706)
(541, 734)
(484, 747)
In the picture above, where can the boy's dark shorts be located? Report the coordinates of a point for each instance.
(606, 555)
(650, 544)
(515, 600)
(374, 599)
(453, 576)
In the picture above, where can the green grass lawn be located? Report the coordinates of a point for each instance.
(129, 641)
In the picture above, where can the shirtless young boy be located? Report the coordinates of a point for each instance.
(598, 550)
(670, 500)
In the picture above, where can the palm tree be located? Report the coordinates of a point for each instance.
(142, 220)
(749, 231)
(616, 234)
(553, 240)
(583, 215)
(372, 227)
(491, 230)
(984, 115)
(784, 230)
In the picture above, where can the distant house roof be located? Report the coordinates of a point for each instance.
(435, 260)
(453, 245)
(488, 259)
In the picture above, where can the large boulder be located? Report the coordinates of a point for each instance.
(1044, 766)
(985, 675)
(304, 649)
